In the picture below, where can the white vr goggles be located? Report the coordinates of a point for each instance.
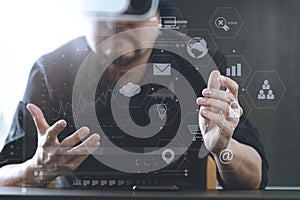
(115, 10)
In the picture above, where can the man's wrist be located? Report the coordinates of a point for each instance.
(28, 177)
(225, 154)
(222, 146)
(35, 175)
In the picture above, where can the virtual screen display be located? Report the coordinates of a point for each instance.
(146, 112)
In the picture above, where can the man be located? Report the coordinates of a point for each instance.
(61, 150)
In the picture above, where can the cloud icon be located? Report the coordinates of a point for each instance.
(130, 89)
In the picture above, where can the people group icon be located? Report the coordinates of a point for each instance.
(266, 85)
(266, 92)
(261, 95)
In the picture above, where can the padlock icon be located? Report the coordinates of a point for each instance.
(234, 110)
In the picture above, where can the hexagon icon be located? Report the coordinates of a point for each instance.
(175, 150)
(266, 89)
(201, 47)
(122, 100)
(235, 67)
(170, 110)
(174, 21)
(226, 22)
(161, 62)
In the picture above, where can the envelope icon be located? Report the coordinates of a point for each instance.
(161, 69)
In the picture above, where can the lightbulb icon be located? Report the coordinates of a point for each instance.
(161, 109)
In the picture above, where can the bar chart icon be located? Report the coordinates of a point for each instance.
(235, 70)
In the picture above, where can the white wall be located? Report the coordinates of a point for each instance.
(29, 28)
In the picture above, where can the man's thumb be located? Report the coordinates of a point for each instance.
(38, 118)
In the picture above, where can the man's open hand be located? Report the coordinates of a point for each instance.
(53, 158)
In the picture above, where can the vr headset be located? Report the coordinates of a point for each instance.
(115, 10)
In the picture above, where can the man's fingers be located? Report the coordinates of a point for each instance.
(217, 94)
(215, 105)
(89, 146)
(78, 154)
(230, 84)
(214, 83)
(38, 117)
(211, 117)
(213, 80)
(75, 138)
(219, 120)
(53, 132)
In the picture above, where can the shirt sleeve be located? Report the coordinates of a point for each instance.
(21, 141)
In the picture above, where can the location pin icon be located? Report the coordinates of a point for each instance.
(168, 155)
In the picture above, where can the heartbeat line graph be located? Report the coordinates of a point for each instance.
(67, 110)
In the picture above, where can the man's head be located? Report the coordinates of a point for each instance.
(99, 30)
